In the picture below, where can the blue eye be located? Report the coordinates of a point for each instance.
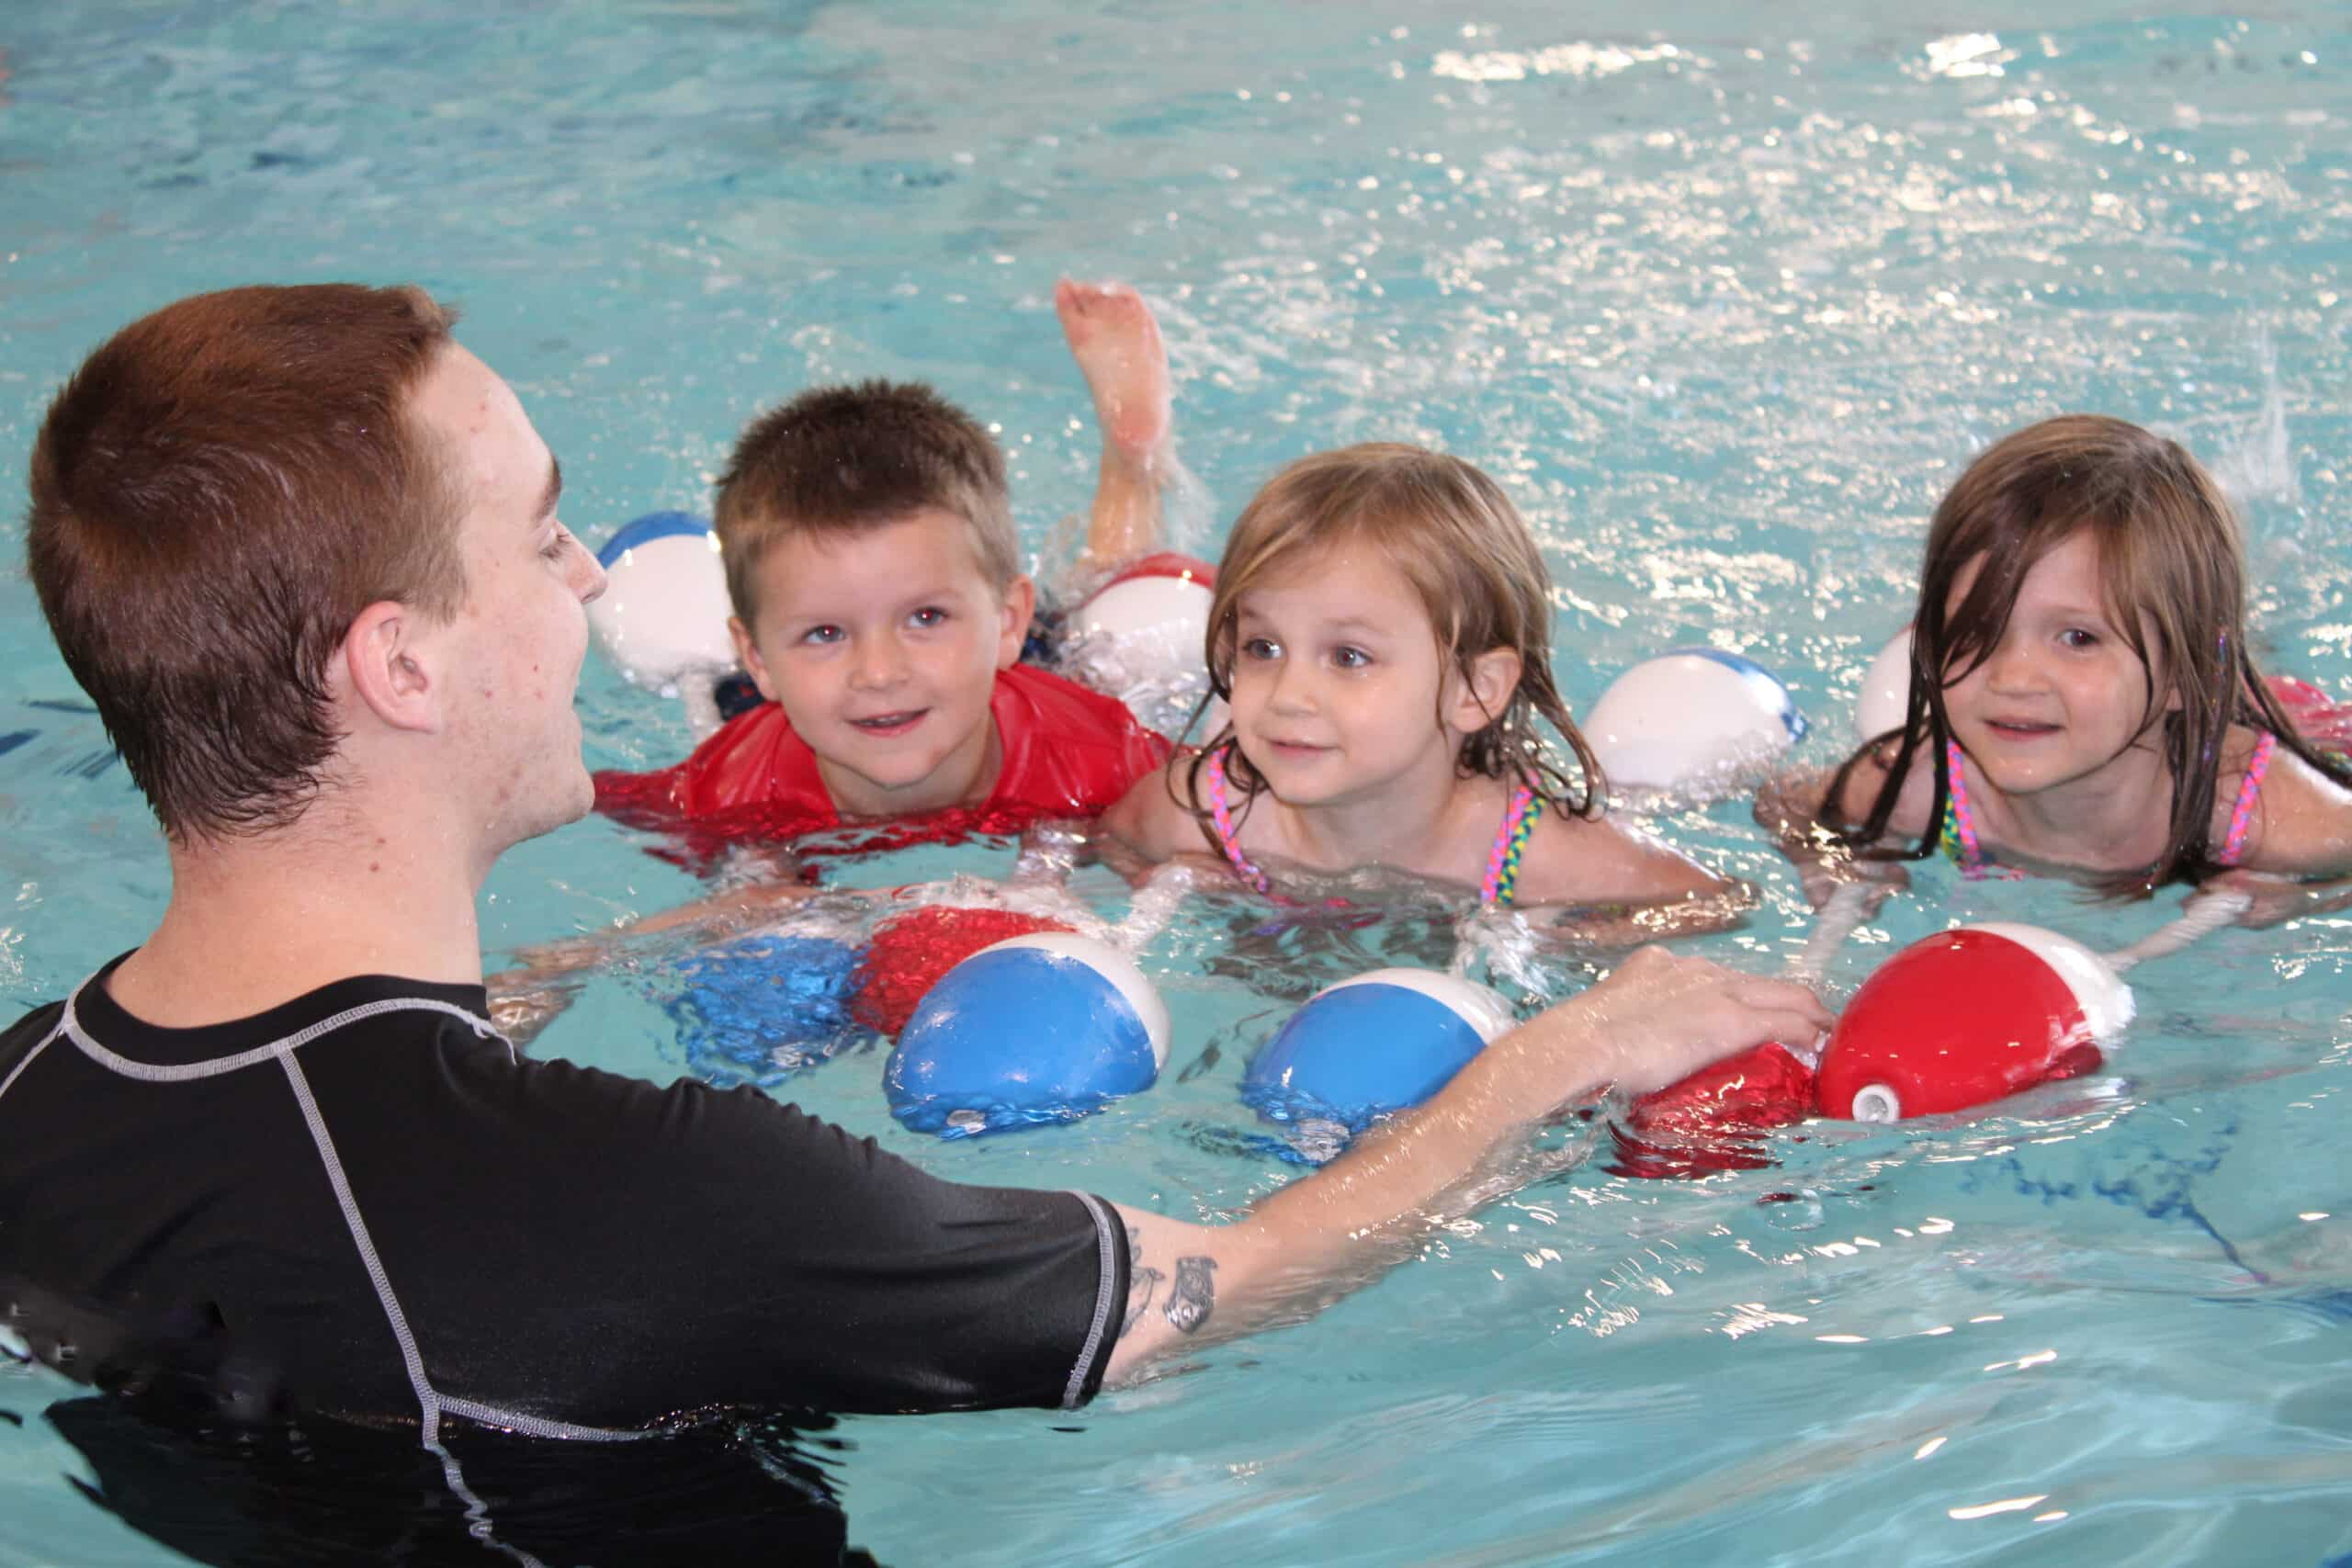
(822, 635)
(928, 617)
(1351, 658)
(2077, 638)
(1260, 649)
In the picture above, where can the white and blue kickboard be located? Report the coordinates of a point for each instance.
(1693, 716)
(662, 616)
(1380, 1042)
(1035, 1029)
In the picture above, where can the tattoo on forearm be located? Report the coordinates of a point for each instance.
(1193, 1296)
(1142, 1283)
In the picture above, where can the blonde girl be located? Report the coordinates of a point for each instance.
(1381, 635)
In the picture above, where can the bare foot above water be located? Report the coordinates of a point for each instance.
(1119, 349)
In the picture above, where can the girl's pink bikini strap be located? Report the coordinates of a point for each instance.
(1959, 835)
(1228, 837)
(2249, 791)
(1500, 885)
(1960, 823)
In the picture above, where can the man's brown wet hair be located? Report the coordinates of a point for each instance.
(217, 494)
(842, 459)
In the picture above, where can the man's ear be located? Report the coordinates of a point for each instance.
(1487, 691)
(747, 654)
(1020, 603)
(391, 669)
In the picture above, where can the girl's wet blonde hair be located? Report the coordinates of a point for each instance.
(1457, 540)
(2172, 569)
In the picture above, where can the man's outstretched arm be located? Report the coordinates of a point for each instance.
(1657, 1020)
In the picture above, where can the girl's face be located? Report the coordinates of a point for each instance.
(1338, 680)
(2061, 697)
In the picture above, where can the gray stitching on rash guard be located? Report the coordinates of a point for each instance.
(18, 1070)
(428, 1401)
(431, 1404)
(149, 1072)
(428, 1398)
(537, 1426)
(282, 1051)
(1074, 1391)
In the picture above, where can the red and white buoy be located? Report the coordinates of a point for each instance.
(1140, 637)
(1968, 1016)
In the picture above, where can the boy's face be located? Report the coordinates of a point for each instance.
(882, 644)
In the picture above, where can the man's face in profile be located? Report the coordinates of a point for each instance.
(513, 654)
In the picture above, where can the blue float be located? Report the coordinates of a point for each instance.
(1693, 720)
(762, 1009)
(1035, 1029)
(1379, 1043)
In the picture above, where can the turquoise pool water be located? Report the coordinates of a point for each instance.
(1726, 304)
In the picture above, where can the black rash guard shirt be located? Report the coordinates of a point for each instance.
(368, 1195)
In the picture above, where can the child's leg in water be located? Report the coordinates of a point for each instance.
(1118, 350)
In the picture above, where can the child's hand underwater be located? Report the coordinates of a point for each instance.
(2273, 900)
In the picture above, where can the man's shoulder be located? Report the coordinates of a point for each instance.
(27, 1031)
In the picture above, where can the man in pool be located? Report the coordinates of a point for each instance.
(302, 551)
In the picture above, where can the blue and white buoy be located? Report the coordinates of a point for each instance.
(1379, 1043)
(1885, 700)
(1043, 1028)
(662, 616)
(1691, 721)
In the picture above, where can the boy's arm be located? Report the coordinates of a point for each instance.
(525, 999)
(1654, 1020)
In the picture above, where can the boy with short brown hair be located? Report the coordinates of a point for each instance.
(872, 568)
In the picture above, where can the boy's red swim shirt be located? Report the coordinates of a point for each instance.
(1067, 752)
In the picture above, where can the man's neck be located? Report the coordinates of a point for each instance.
(259, 921)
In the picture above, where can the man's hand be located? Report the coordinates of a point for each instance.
(1658, 1020)
(1661, 1017)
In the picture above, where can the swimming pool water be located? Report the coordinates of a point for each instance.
(1724, 303)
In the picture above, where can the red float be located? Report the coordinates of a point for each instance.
(1969, 1016)
(1167, 563)
(2322, 720)
(1713, 1120)
(909, 952)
